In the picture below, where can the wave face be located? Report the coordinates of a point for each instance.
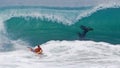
(38, 25)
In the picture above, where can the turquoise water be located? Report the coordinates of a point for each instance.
(61, 24)
(39, 31)
(106, 24)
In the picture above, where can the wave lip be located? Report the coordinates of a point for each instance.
(97, 8)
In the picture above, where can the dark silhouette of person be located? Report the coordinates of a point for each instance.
(85, 30)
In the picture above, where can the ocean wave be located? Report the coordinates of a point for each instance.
(71, 18)
(22, 27)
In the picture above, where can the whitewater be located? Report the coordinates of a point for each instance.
(54, 29)
(62, 54)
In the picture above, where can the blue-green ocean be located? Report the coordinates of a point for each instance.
(38, 25)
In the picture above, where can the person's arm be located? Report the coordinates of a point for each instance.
(38, 46)
(41, 51)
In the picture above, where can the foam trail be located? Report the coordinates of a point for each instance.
(53, 15)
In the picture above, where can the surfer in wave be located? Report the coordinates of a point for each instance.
(37, 50)
(85, 31)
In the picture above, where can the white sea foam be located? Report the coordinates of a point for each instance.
(65, 54)
(53, 15)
